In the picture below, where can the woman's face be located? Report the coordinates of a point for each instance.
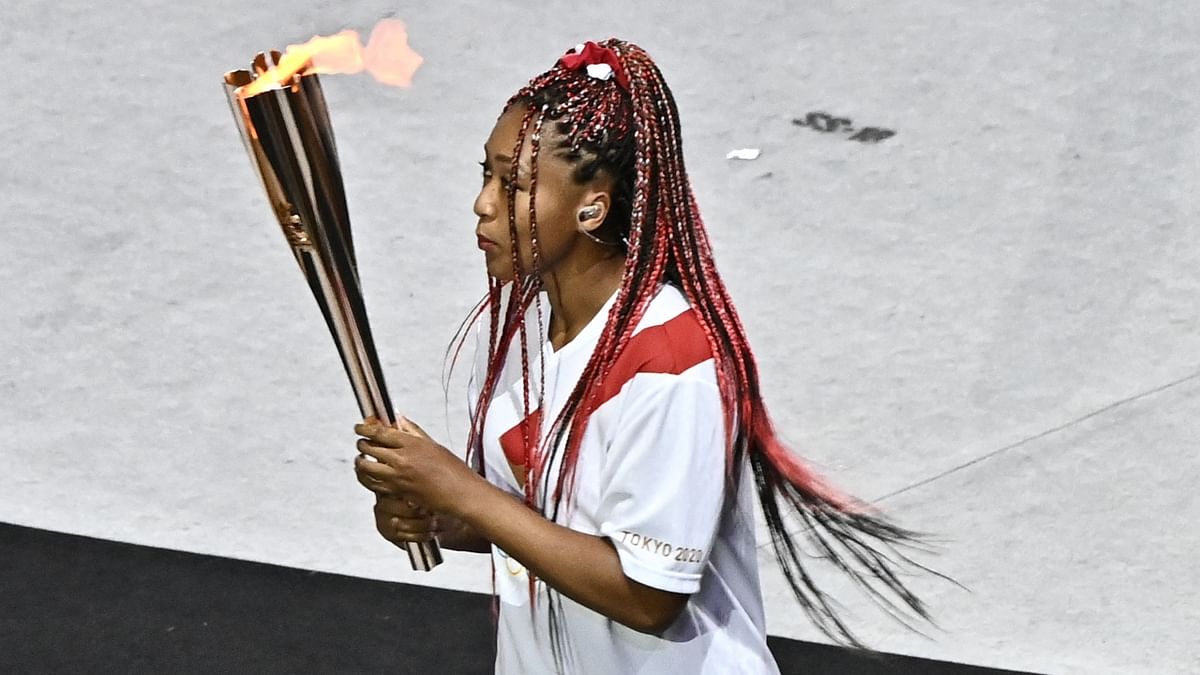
(558, 201)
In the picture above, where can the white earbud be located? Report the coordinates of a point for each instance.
(589, 212)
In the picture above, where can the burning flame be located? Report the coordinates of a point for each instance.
(337, 54)
(386, 56)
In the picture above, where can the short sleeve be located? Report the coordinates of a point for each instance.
(664, 479)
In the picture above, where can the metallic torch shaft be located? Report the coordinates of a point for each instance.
(289, 138)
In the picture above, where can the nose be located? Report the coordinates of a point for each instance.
(485, 204)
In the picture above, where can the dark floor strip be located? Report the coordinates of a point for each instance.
(71, 604)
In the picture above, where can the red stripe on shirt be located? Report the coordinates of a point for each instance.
(513, 440)
(667, 348)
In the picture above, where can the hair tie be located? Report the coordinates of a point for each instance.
(601, 63)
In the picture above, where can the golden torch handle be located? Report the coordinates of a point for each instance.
(288, 136)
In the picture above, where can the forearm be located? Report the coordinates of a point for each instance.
(583, 567)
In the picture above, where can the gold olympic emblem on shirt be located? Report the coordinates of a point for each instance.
(514, 567)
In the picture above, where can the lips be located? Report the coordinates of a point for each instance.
(486, 244)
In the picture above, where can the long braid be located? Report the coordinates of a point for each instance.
(531, 454)
(685, 214)
(502, 329)
(639, 283)
(838, 526)
(633, 133)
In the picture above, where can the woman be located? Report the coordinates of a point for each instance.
(620, 521)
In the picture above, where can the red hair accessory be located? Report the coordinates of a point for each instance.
(601, 63)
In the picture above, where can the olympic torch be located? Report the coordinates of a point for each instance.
(280, 111)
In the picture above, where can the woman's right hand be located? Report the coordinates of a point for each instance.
(400, 521)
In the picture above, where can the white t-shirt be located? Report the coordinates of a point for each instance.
(650, 477)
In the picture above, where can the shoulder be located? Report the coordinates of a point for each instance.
(670, 340)
(670, 337)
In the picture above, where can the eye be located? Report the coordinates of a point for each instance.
(505, 181)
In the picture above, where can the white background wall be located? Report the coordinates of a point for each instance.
(990, 320)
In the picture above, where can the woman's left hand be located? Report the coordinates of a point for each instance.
(408, 463)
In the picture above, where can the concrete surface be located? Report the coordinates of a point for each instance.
(989, 320)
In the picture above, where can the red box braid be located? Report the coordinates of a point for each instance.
(628, 125)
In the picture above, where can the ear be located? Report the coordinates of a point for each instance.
(593, 209)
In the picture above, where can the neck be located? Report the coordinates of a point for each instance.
(577, 291)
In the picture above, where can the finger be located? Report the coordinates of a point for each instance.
(377, 452)
(368, 426)
(413, 526)
(378, 471)
(380, 488)
(402, 529)
(401, 538)
(381, 435)
(398, 536)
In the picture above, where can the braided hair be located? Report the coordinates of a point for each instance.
(628, 128)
